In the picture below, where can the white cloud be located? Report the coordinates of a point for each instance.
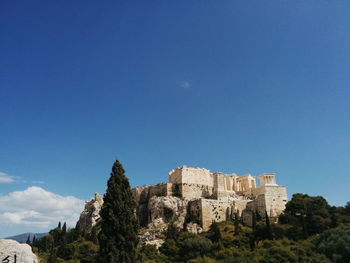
(5, 178)
(185, 84)
(38, 208)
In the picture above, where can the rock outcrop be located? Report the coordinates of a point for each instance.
(194, 228)
(169, 208)
(162, 210)
(11, 251)
(159, 211)
(91, 213)
(154, 233)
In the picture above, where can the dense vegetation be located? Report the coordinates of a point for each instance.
(309, 231)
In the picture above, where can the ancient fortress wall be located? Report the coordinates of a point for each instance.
(216, 196)
(206, 211)
(274, 198)
(193, 191)
(162, 189)
(188, 175)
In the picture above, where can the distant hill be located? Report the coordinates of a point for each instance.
(22, 238)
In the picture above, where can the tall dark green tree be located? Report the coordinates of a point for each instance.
(28, 239)
(64, 228)
(236, 223)
(269, 233)
(118, 236)
(254, 220)
(215, 233)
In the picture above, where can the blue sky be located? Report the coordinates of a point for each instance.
(232, 86)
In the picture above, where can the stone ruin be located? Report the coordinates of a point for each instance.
(211, 197)
(194, 198)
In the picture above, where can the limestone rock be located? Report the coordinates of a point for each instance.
(162, 210)
(11, 249)
(194, 228)
(90, 214)
(154, 233)
(169, 208)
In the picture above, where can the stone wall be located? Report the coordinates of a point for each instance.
(190, 175)
(191, 191)
(275, 200)
(239, 206)
(214, 211)
(271, 199)
(162, 189)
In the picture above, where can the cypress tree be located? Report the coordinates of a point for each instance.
(34, 239)
(118, 236)
(64, 228)
(63, 234)
(254, 220)
(215, 233)
(28, 239)
(268, 226)
(257, 216)
(59, 225)
(252, 238)
(236, 224)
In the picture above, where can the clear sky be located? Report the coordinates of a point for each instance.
(232, 86)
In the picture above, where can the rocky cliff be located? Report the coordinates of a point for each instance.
(90, 215)
(161, 211)
(157, 212)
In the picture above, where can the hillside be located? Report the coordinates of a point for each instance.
(22, 238)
